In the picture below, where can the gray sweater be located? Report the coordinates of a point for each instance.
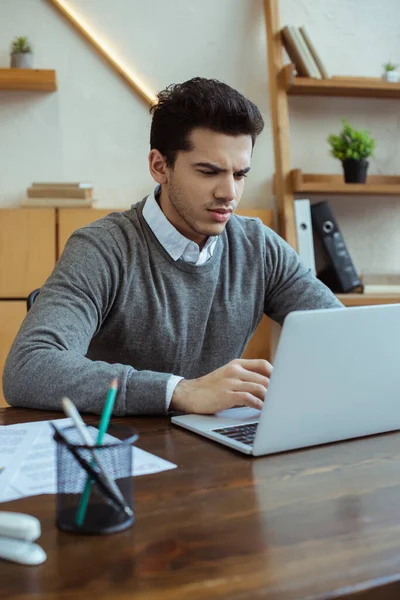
(117, 305)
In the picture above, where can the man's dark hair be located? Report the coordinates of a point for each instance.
(200, 103)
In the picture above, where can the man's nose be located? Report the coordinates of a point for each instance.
(226, 190)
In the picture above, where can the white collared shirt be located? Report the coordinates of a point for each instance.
(177, 246)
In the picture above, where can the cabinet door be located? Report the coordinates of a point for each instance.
(27, 249)
(12, 314)
(71, 219)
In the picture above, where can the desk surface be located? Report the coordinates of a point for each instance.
(318, 523)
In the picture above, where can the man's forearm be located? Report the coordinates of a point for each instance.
(39, 378)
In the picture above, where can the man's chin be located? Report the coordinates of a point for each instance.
(214, 230)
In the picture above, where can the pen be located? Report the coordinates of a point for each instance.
(104, 421)
(97, 476)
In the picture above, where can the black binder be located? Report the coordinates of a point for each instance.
(338, 272)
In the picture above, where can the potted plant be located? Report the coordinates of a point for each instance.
(390, 73)
(352, 147)
(21, 53)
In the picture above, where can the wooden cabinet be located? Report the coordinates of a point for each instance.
(27, 249)
(27, 257)
(71, 219)
(11, 316)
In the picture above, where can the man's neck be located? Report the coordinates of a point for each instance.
(163, 201)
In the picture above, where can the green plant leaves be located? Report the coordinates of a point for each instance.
(389, 66)
(351, 143)
(20, 44)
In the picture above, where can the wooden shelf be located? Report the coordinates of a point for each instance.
(377, 185)
(40, 80)
(356, 87)
(367, 299)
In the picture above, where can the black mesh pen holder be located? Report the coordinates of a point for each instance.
(95, 483)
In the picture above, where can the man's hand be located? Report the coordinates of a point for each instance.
(241, 382)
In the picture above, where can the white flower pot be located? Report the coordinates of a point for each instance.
(392, 76)
(22, 60)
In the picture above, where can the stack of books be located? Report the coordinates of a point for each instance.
(72, 195)
(302, 53)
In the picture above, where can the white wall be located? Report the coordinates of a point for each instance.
(95, 128)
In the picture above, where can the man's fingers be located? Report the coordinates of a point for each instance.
(247, 399)
(256, 365)
(249, 387)
(238, 373)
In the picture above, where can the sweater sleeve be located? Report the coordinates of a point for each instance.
(290, 285)
(48, 357)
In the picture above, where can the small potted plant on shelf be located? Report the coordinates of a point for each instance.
(21, 53)
(390, 72)
(352, 147)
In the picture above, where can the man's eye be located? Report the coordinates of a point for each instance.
(208, 172)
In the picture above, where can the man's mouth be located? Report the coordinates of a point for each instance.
(221, 210)
(221, 215)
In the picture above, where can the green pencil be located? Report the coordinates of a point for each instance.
(104, 421)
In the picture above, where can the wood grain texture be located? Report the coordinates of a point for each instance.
(71, 219)
(313, 524)
(280, 123)
(12, 314)
(27, 249)
(29, 80)
(356, 87)
(368, 299)
(376, 185)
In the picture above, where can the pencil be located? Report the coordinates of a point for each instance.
(97, 476)
(104, 421)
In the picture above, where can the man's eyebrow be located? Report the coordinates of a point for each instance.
(216, 169)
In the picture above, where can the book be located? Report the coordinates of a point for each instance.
(381, 283)
(305, 242)
(294, 52)
(73, 184)
(58, 192)
(314, 53)
(57, 202)
(306, 54)
(338, 271)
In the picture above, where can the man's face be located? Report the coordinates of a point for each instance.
(206, 184)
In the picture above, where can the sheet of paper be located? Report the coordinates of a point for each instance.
(35, 471)
(15, 443)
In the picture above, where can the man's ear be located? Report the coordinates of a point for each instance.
(158, 167)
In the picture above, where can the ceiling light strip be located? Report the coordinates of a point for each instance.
(133, 80)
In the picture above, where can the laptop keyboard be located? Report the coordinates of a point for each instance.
(240, 433)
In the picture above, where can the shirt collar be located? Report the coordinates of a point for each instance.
(169, 237)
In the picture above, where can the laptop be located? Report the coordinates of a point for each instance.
(336, 376)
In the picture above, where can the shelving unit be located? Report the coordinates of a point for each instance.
(367, 299)
(350, 87)
(37, 80)
(377, 185)
(287, 182)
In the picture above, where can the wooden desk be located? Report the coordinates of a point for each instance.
(316, 524)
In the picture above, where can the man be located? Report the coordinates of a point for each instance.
(166, 295)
